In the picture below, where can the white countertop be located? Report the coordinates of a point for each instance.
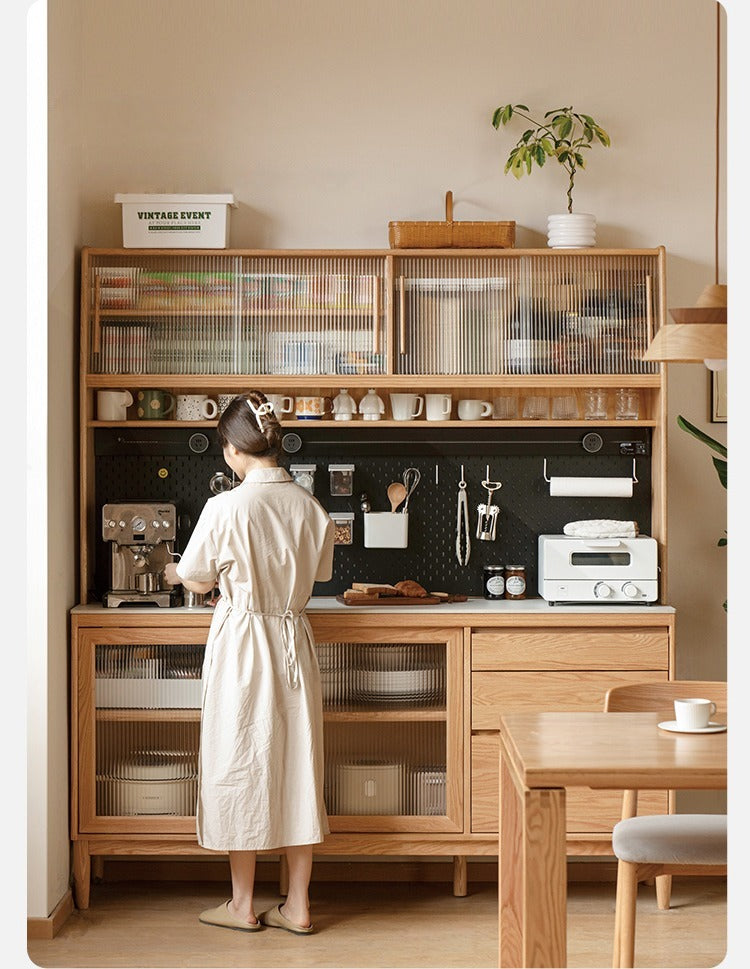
(475, 605)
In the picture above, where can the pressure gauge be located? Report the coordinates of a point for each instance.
(138, 524)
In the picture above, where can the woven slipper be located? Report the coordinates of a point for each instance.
(276, 920)
(223, 917)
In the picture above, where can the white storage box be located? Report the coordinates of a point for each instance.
(175, 221)
(369, 788)
(386, 529)
(148, 694)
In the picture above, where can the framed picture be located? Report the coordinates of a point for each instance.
(719, 396)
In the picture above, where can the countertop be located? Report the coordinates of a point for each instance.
(475, 606)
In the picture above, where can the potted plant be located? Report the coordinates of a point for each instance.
(566, 136)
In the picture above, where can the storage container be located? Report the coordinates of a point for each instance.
(175, 221)
(369, 788)
(386, 529)
(343, 522)
(450, 234)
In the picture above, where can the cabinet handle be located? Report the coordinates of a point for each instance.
(402, 314)
(375, 314)
(649, 309)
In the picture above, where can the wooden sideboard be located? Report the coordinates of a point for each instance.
(136, 715)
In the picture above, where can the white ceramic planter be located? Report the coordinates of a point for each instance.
(571, 230)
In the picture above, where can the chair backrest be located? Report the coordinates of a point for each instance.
(659, 697)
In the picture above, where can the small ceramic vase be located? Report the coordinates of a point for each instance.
(371, 406)
(344, 407)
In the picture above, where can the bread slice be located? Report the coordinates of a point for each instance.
(408, 587)
(375, 588)
(353, 595)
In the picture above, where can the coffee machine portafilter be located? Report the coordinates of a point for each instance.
(141, 535)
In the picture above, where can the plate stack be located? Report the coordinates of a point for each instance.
(571, 230)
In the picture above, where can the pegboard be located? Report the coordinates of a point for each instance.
(130, 468)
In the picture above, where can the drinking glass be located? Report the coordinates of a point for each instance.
(564, 408)
(595, 404)
(505, 408)
(536, 408)
(627, 404)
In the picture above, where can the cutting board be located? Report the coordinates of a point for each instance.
(401, 600)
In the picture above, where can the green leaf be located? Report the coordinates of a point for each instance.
(588, 133)
(496, 117)
(721, 470)
(563, 157)
(565, 127)
(580, 160)
(549, 148)
(527, 134)
(709, 441)
(540, 155)
(602, 135)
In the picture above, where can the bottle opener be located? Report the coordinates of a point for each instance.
(487, 512)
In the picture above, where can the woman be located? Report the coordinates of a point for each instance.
(260, 772)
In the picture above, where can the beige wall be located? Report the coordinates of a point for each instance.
(328, 118)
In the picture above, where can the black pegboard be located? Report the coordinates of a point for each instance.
(131, 466)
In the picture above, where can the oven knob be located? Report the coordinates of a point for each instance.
(631, 590)
(602, 590)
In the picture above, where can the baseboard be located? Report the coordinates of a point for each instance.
(48, 928)
(407, 869)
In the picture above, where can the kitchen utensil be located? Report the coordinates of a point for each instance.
(219, 483)
(463, 541)
(488, 513)
(411, 478)
(396, 494)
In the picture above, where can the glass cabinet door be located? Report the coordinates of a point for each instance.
(392, 714)
(138, 730)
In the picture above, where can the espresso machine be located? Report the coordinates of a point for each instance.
(141, 535)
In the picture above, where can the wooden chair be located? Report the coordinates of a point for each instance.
(661, 845)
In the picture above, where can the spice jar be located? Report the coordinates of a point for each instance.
(304, 476)
(343, 522)
(493, 582)
(342, 478)
(515, 581)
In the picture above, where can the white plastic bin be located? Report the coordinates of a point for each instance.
(175, 221)
(386, 529)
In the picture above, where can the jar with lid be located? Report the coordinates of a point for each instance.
(343, 522)
(341, 479)
(515, 581)
(304, 476)
(493, 581)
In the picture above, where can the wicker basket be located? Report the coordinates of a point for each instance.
(450, 234)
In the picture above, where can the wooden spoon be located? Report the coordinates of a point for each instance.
(396, 494)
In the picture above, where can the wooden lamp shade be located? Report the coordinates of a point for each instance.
(698, 333)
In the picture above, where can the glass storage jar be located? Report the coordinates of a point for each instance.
(343, 522)
(304, 476)
(515, 581)
(342, 479)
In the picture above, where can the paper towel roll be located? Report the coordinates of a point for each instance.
(591, 487)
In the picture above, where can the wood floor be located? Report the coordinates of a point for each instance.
(149, 924)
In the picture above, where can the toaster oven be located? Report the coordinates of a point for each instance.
(603, 570)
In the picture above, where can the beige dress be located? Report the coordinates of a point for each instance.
(260, 765)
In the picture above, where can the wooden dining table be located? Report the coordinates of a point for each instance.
(540, 755)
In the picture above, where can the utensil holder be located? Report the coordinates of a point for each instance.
(386, 529)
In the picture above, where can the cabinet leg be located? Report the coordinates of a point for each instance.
(81, 873)
(283, 875)
(460, 876)
(97, 867)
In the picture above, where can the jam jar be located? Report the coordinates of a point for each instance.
(515, 581)
(493, 581)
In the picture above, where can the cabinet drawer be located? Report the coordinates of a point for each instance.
(587, 811)
(580, 649)
(493, 694)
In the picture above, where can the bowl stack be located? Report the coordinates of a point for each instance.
(571, 230)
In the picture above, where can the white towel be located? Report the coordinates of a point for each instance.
(601, 528)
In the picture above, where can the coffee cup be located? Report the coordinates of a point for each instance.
(474, 410)
(437, 407)
(693, 713)
(309, 408)
(153, 405)
(405, 407)
(112, 405)
(224, 400)
(196, 407)
(281, 404)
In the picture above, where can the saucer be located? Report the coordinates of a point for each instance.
(712, 727)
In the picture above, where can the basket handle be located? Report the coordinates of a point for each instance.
(449, 206)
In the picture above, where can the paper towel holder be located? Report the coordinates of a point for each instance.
(548, 479)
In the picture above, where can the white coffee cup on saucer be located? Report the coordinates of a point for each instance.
(693, 713)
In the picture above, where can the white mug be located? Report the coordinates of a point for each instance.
(693, 713)
(474, 410)
(437, 407)
(405, 407)
(281, 404)
(111, 405)
(196, 407)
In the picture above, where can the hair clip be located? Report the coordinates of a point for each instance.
(265, 408)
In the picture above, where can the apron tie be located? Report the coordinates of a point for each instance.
(290, 648)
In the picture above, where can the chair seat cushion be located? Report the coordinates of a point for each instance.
(675, 839)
